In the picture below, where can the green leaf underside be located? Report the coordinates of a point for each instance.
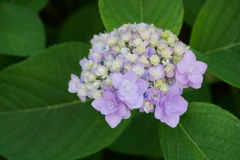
(21, 30)
(82, 25)
(216, 34)
(36, 5)
(159, 12)
(205, 131)
(140, 138)
(40, 119)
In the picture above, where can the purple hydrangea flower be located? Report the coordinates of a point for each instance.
(154, 95)
(130, 88)
(122, 65)
(156, 73)
(147, 107)
(190, 71)
(171, 106)
(75, 86)
(112, 108)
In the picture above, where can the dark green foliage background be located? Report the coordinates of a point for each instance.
(41, 43)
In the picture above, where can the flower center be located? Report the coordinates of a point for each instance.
(111, 105)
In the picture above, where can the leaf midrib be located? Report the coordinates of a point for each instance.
(223, 48)
(50, 107)
(194, 143)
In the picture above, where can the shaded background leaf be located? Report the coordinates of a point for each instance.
(205, 131)
(216, 34)
(191, 10)
(159, 12)
(6, 60)
(40, 119)
(82, 25)
(21, 30)
(36, 5)
(140, 138)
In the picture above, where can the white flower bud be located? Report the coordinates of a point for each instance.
(167, 52)
(112, 40)
(108, 81)
(96, 94)
(121, 43)
(145, 35)
(165, 62)
(101, 70)
(116, 48)
(137, 41)
(148, 107)
(169, 70)
(165, 87)
(158, 83)
(171, 40)
(144, 60)
(155, 60)
(126, 37)
(116, 65)
(141, 49)
(131, 57)
(127, 67)
(108, 64)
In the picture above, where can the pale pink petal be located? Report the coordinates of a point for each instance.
(109, 96)
(122, 110)
(131, 98)
(131, 76)
(171, 121)
(195, 85)
(182, 66)
(113, 120)
(142, 86)
(182, 78)
(116, 79)
(200, 67)
(138, 104)
(98, 103)
(159, 112)
(195, 78)
(189, 57)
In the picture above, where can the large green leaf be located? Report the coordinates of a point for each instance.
(36, 5)
(140, 138)
(21, 30)
(216, 33)
(191, 10)
(40, 119)
(205, 131)
(159, 12)
(79, 27)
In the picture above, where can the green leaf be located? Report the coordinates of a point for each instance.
(36, 5)
(79, 27)
(140, 138)
(202, 94)
(6, 60)
(191, 10)
(159, 12)
(21, 30)
(40, 119)
(205, 131)
(216, 34)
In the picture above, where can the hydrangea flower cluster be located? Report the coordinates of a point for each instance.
(138, 66)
